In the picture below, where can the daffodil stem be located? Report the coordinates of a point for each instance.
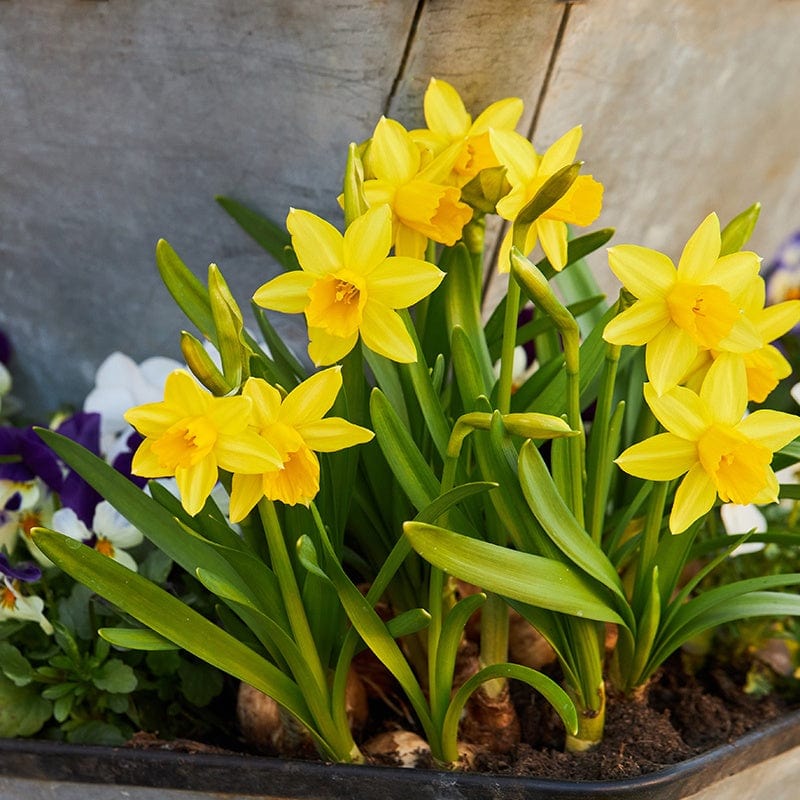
(507, 349)
(649, 542)
(494, 639)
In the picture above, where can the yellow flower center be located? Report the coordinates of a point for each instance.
(704, 311)
(336, 303)
(738, 466)
(477, 154)
(8, 599)
(104, 546)
(432, 209)
(186, 443)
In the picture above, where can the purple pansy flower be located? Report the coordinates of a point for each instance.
(24, 571)
(75, 493)
(36, 459)
(782, 274)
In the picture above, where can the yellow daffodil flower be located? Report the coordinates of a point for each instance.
(450, 123)
(348, 285)
(191, 434)
(423, 205)
(295, 428)
(722, 452)
(679, 312)
(765, 366)
(527, 173)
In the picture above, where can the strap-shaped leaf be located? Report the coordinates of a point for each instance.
(170, 618)
(559, 523)
(510, 573)
(136, 639)
(186, 289)
(274, 239)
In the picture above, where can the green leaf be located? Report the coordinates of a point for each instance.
(136, 639)
(186, 289)
(14, 665)
(307, 556)
(169, 617)
(532, 579)
(738, 231)
(96, 732)
(116, 677)
(200, 684)
(274, 239)
(559, 523)
(285, 361)
(22, 710)
(409, 622)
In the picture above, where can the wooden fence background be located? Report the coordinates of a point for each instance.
(121, 120)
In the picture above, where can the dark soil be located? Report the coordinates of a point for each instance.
(681, 716)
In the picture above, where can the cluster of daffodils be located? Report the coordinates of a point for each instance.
(709, 350)
(407, 459)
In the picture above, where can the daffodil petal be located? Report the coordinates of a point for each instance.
(771, 490)
(247, 453)
(316, 243)
(287, 293)
(393, 155)
(399, 282)
(503, 114)
(638, 324)
(743, 337)
(680, 411)
(669, 355)
(151, 419)
(444, 109)
(368, 239)
(145, 463)
(409, 242)
(724, 389)
(333, 433)
(325, 349)
(246, 491)
(645, 273)
(737, 272)
(694, 497)
(265, 401)
(662, 457)
(181, 391)
(776, 320)
(312, 399)
(701, 252)
(562, 152)
(379, 192)
(772, 429)
(582, 203)
(516, 154)
(384, 332)
(195, 484)
(553, 239)
(230, 414)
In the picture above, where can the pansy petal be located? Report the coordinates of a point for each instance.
(694, 497)
(669, 356)
(384, 332)
(772, 429)
(195, 484)
(333, 433)
(701, 252)
(325, 349)
(367, 240)
(400, 282)
(316, 243)
(287, 293)
(680, 411)
(246, 491)
(643, 272)
(724, 389)
(393, 155)
(662, 457)
(562, 152)
(312, 399)
(502, 114)
(445, 113)
(638, 324)
(553, 239)
(125, 559)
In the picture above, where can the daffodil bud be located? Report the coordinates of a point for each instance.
(203, 368)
